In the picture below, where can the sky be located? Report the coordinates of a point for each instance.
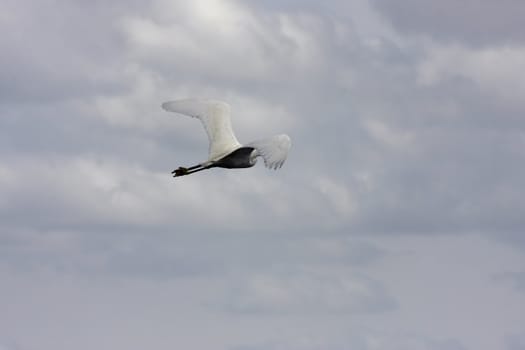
(397, 222)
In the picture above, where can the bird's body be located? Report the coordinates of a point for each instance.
(224, 149)
(243, 157)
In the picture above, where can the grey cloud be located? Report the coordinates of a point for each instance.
(515, 342)
(515, 279)
(58, 55)
(91, 254)
(7, 342)
(472, 22)
(256, 251)
(414, 143)
(391, 135)
(8, 347)
(397, 162)
(164, 253)
(447, 344)
(514, 239)
(402, 156)
(365, 339)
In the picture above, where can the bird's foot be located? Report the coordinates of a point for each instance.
(180, 171)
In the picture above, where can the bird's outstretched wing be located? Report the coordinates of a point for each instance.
(215, 116)
(273, 150)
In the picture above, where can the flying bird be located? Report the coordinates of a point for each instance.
(224, 149)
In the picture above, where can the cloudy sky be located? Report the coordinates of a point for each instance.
(397, 222)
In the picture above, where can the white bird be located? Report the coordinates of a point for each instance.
(224, 149)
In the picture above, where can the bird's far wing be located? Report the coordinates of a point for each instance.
(274, 150)
(215, 116)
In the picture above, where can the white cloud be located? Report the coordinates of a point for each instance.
(499, 71)
(387, 135)
(339, 196)
(240, 45)
(89, 191)
(308, 292)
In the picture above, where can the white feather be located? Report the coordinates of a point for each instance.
(273, 150)
(215, 117)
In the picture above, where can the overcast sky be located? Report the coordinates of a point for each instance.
(397, 222)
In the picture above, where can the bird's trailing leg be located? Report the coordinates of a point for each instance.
(184, 171)
(181, 171)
